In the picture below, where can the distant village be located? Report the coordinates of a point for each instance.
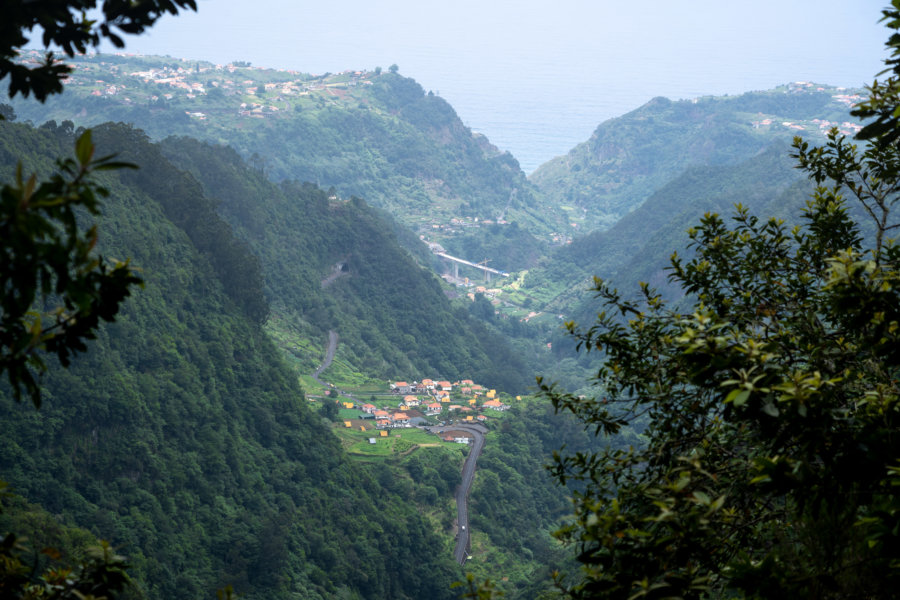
(414, 403)
(822, 126)
(196, 79)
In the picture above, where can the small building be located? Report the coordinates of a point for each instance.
(401, 387)
(369, 408)
(348, 424)
(372, 440)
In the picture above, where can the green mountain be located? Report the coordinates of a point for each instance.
(182, 436)
(630, 157)
(637, 248)
(375, 135)
(333, 264)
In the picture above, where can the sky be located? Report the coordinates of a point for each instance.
(538, 76)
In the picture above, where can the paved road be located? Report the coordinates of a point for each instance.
(468, 471)
(462, 492)
(329, 356)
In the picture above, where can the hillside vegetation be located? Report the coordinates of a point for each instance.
(372, 134)
(183, 438)
(628, 158)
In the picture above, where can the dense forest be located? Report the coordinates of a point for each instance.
(183, 438)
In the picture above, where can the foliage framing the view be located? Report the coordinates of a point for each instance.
(67, 25)
(48, 258)
(771, 406)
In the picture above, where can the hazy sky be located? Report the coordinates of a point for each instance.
(538, 76)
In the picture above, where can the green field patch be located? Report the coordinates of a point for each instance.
(351, 413)
(398, 442)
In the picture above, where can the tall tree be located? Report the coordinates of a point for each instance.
(770, 406)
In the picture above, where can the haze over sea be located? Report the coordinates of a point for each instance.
(535, 76)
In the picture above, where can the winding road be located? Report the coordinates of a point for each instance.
(462, 492)
(461, 552)
(329, 356)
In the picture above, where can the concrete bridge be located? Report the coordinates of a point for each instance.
(455, 262)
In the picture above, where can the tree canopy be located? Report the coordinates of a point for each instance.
(769, 405)
(49, 270)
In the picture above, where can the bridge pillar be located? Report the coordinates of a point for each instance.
(455, 270)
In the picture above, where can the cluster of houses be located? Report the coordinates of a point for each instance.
(431, 398)
(191, 80)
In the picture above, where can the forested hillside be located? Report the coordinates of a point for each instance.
(638, 247)
(183, 438)
(376, 135)
(390, 312)
(631, 157)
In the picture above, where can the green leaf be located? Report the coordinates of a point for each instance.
(84, 148)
